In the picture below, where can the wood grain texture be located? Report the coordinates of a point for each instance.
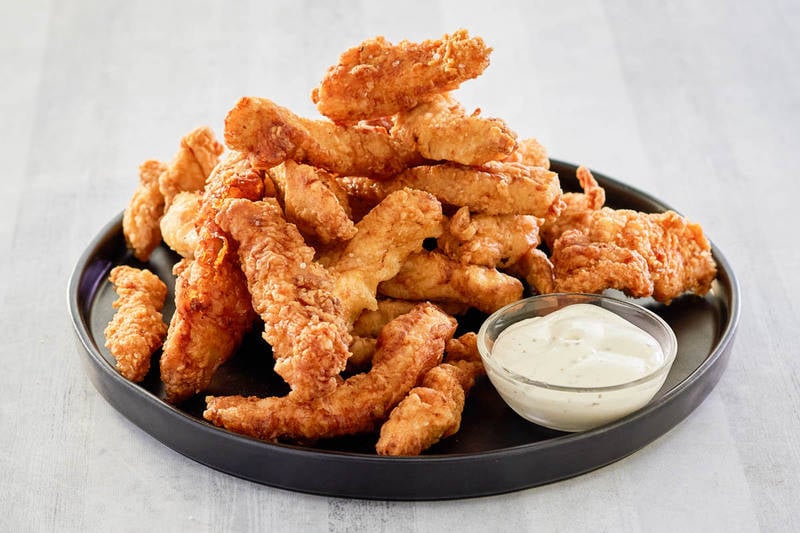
(695, 102)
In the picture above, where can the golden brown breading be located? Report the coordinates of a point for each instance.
(432, 276)
(463, 348)
(378, 79)
(430, 412)
(313, 201)
(493, 189)
(408, 347)
(271, 134)
(141, 217)
(530, 152)
(362, 350)
(441, 130)
(197, 156)
(303, 320)
(580, 265)
(488, 240)
(137, 329)
(578, 207)
(537, 270)
(619, 248)
(212, 304)
(179, 223)
(386, 236)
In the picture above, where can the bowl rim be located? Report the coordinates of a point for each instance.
(492, 363)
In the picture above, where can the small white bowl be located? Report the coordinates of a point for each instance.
(574, 408)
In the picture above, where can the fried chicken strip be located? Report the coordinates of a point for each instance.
(141, 218)
(370, 322)
(313, 201)
(578, 207)
(408, 347)
(493, 189)
(303, 320)
(530, 152)
(384, 239)
(137, 329)
(432, 411)
(197, 156)
(537, 270)
(441, 130)
(378, 79)
(639, 253)
(179, 223)
(432, 276)
(212, 303)
(488, 240)
(271, 134)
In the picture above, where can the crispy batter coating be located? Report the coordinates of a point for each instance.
(578, 207)
(493, 189)
(584, 266)
(488, 240)
(271, 134)
(530, 152)
(624, 248)
(197, 156)
(432, 276)
(303, 320)
(140, 220)
(535, 267)
(370, 322)
(441, 130)
(362, 350)
(378, 79)
(179, 223)
(314, 202)
(430, 412)
(408, 347)
(463, 348)
(386, 236)
(137, 329)
(212, 304)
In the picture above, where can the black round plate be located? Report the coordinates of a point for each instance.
(495, 451)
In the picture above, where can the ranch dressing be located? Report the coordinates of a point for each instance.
(580, 345)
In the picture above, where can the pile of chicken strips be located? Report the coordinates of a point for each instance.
(359, 239)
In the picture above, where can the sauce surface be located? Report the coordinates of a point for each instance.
(580, 345)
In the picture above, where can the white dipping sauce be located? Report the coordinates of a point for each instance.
(583, 346)
(580, 345)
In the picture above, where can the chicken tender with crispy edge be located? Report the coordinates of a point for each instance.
(580, 265)
(303, 319)
(197, 156)
(137, 328)
(385, 237)
(432, 276)
(212, 303)
(313, 201)
(407, 348)
(379, 79)
(271, 134)
(493, 189)
(677, 256)
(536, 269)
(442, 131)
(578, 207)
(430, 412)
(370, 322)
(179, 223)
(488, 240)
(140, 222)
(530, 152)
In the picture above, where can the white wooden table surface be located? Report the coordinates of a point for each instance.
(697, 103)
